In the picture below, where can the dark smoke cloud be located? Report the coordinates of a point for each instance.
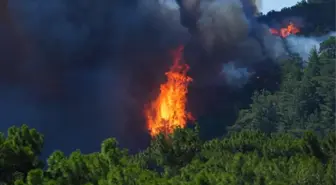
(224, 31)
(81, 71)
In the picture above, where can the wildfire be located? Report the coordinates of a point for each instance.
(168, 111)
(285, 32)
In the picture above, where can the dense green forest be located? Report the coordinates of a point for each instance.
(286, 137)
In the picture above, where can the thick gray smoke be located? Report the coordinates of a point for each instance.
(224, 31)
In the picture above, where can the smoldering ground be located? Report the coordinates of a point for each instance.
(81, 71)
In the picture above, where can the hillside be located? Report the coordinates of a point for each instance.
(281, 132)
(315, 17)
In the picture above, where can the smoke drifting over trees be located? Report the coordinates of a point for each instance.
(81, 71)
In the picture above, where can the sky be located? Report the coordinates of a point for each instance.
(266, 5)
(277, 5)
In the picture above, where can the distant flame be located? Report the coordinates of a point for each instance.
(168, 111)
(285, 32)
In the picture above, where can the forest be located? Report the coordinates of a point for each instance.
(284, 136)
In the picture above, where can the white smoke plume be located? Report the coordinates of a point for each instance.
(303, 45)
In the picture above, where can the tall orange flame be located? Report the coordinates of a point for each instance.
(285, 32)
(168, 111)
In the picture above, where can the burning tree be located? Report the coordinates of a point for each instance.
(285, 32)
(168, 111)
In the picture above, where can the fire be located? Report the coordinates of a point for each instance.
(285, 32)
(168, 111)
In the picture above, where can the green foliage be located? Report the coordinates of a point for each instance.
(327, 49)
(175, 151)
(306, 99)
(246, 157)
(19, 151)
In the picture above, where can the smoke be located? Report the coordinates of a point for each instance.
(224, 31)
(81, 71)
(223, 20)
(303, 45)
(235, 76)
